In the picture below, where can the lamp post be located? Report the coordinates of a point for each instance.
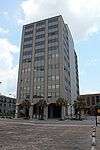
(0, 83)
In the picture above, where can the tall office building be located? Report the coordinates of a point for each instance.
(48, 65)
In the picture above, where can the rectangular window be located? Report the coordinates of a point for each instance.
(27, 45)
(53, 86)
(40, 29)
(28, 39)
(40, 50)
(39, 58)
(93, 100)
(27, 60)
(28, 32)
(27, 53)
(57, 77)
(40, 36)
(53, 33)
(49, 94)
(40, 43)
(53, 40)
(53, 19)
(28, 26)
(40, 23)
(57, 86)
(52, 48)
(53, 26)
(88, 101)
(49, 87)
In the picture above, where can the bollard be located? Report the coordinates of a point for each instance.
(93, 139)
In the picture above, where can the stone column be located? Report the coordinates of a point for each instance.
(63, 112)
(45, 113)
(16, 113)
(31, 112)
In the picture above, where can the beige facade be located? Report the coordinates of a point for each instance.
(91, 100)
(45, 67)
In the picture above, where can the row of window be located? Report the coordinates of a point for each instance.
(38, 58)
(53, 94)
(27, 45)
(28, 39)
(38, 79)
(28, 32)
(27, 53)
(40, 23)
(56, 86)
(39, 68)
(40, 35)
(40, 42)
(92, 100)
(6, 105)
(4, 100)
(40, 50)
(54, 66)
(51, 48)
(27, 60)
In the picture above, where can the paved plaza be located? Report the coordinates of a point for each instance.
(49, 135)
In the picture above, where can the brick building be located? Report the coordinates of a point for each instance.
(91, 100)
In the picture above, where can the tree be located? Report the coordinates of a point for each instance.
(61, 101)
(41, 105)
(25, 106)
(79, 105)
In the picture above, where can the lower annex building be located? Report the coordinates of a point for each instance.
(91, 101)
(7, 106)
(48, 67)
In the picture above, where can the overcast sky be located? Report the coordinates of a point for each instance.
(83, 19)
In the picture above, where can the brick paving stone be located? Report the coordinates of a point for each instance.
(25, 135)
(98, 138)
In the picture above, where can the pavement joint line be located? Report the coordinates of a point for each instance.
(47, 124)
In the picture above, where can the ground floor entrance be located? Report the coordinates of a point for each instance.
(54, 111)
(37, 111)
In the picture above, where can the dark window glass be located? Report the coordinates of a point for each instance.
(4, 105)
(28, 39)
(53, 19)
(39, 50)
(93, 100)
(53, 26)
(53, 33)
(97, 97)
(27, 60)
(28, 26)
(88, 101)
(40, 43)
(39, 58)
(41, 68)
(53, 40)
(40, 29)
(28, 32)
(27, 53)
(51, 48)
(40, 36)
(27, 46)
(40, 23)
